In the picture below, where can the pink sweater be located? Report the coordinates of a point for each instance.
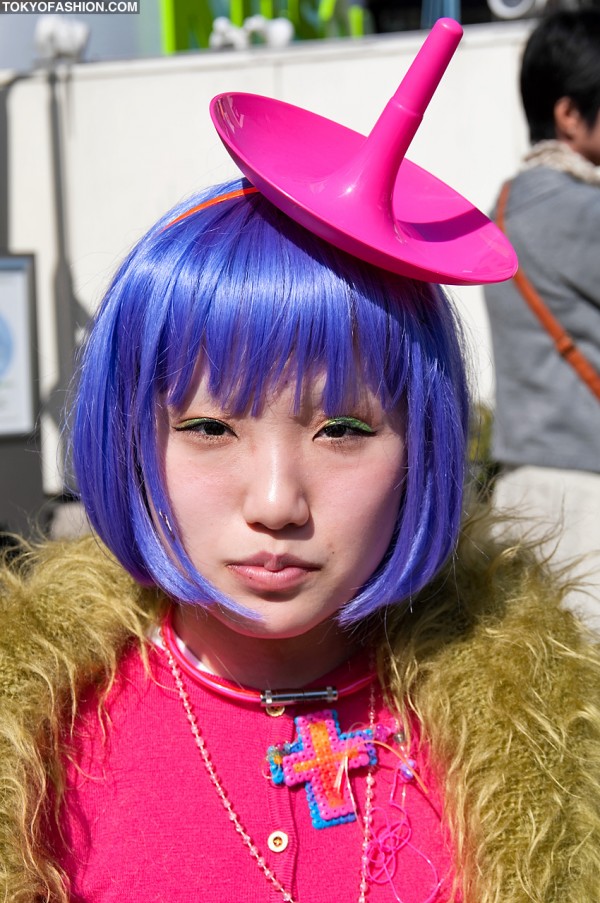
(143, 824)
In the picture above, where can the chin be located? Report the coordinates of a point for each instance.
(274, 625)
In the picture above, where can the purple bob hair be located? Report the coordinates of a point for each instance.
(261, 298)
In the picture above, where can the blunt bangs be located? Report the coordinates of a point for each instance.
(258, 299)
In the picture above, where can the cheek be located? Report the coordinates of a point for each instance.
(370, 514)
(197, 498)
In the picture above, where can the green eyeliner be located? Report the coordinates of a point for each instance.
(196, 421)
(351, 421)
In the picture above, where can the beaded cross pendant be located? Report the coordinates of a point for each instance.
(320, 757)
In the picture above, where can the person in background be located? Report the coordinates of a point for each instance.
(546, 323)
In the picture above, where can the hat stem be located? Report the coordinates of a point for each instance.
(372, 172)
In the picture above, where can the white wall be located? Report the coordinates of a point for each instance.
(138, 137)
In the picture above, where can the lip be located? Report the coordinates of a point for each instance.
(268, 572)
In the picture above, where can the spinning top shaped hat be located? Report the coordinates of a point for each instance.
(360, 193)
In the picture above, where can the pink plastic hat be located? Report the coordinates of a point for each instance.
(361, 194)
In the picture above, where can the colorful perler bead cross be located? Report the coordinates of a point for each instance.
(319, 758)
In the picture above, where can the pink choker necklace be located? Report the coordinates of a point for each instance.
(273, 701)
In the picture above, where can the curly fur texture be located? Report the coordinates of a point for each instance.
(507, 689)
(503, 681)
(66, 612)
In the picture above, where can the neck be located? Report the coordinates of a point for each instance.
(258, 661)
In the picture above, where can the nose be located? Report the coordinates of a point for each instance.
(275, 496)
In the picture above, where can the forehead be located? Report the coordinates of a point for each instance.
(299, 393)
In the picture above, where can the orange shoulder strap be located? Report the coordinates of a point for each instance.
(563, 342)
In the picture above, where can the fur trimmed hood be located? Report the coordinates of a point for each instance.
(504, 682)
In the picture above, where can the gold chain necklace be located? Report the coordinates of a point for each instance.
(239, 828)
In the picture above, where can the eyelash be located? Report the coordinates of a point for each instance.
(355, 429)
(199, 424)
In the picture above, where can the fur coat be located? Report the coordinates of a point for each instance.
(505, 683)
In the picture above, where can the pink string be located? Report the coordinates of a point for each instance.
(394, 835)
(386, 846)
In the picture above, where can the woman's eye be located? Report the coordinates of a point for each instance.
(345, 428)
(204, 426)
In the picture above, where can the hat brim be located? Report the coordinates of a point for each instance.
(427, 231)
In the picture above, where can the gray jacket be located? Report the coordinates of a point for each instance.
(545, 415)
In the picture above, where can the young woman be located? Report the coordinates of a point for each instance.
(280, 669)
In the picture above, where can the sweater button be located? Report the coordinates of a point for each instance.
(278, 841)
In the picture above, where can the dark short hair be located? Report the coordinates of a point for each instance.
(561, 59)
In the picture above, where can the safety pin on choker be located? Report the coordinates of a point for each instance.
(276, 699)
